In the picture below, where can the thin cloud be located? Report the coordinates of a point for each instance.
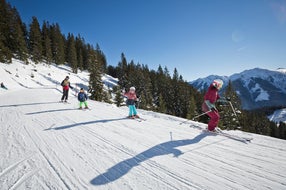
(279, 10)
(241, 49)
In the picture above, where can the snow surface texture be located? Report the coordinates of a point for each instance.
(50, 145)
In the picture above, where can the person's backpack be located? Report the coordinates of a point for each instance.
(65, 83)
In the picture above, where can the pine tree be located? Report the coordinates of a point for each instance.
(230, 120)
(71, 53)
(46, 42)
(191, 111)
(58, 44)
(174, 94)
(161, 104)
(118, 96)
(101, 59)
(282, 130)
(6, 53)
(274, 130)
(35, 40)
(85, 50)
(79, 51)
(95, 81)
(146, 86)
(122, 72)
(17, 41)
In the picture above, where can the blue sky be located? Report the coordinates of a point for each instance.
(198, 37)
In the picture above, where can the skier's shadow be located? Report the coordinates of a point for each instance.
(122, 168)
(87, 123)
(50, 111)
(28, 104)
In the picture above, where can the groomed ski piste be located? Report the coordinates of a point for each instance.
(49, 145)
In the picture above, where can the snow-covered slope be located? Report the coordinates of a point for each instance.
(19, 76)
(278, 116)
(45, 144)
(256, 88)
(282, 70)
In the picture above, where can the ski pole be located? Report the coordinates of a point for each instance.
(234, 113)
(202, 114)
(196, 117)
(232, 108)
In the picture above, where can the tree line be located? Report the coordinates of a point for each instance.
(158, 89)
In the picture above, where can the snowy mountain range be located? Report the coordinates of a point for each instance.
(48, 145)
(256, 88)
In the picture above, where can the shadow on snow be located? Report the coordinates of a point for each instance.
(28, 104)
(86, 123)
(49, 111)
(119, 170)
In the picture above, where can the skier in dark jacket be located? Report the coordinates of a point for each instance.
(82, 97)
(66, 85)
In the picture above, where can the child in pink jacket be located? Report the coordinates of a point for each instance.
(131, 98)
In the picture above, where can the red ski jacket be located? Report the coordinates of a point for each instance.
(212, 94)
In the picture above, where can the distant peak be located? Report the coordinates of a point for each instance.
(282, 70)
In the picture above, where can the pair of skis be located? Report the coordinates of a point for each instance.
(139, 119)
(230, 136)
(64, 102)
(84, 109)
(218, 131)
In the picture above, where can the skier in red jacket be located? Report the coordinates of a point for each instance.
(210, 99)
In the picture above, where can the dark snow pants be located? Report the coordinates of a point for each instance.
(65, 94)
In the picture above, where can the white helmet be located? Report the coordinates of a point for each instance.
(132, 88)
(217, 83)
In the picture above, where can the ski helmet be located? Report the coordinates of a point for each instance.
(217, 83)
(132, 88)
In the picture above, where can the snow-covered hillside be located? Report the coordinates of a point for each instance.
(278, 116)
(45, 144)
(36, 76)
(256, 88)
